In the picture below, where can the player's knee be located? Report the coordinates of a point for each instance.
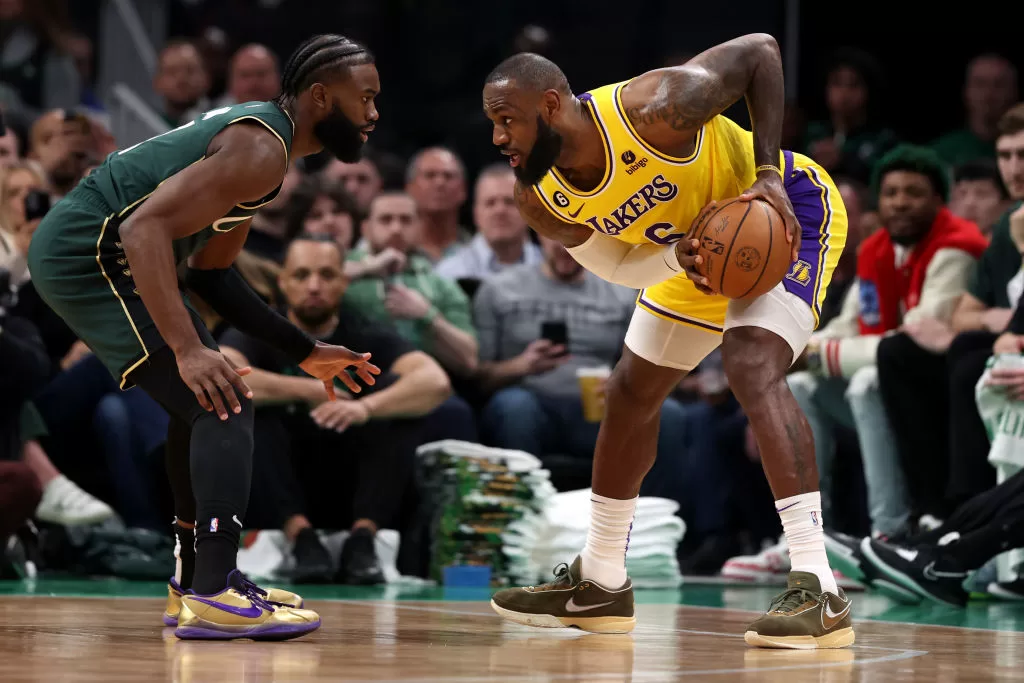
(234, 432)
(629, 392)
(755, 361)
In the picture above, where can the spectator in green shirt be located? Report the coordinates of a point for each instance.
(851, 140)
(990, 89)
(427, 310)
(998, 281)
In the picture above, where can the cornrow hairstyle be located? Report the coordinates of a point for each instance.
(314, 57)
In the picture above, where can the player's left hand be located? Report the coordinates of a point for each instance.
(770, 188)
(328, 361)
(406, 303)
(340, 415)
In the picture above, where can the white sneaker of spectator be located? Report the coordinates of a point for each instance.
(770, 564)
(929, 523)
(64, 502)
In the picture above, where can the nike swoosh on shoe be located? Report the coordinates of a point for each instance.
(571, 606)
(833, 617)
(250, 612)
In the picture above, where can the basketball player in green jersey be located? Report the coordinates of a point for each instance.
(106, 258)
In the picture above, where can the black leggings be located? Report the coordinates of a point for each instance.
(209, 460)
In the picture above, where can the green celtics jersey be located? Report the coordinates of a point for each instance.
(126, 178)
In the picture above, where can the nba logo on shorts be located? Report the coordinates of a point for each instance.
(814, 518)
(214, 524)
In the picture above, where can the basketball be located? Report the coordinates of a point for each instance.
(744, 248)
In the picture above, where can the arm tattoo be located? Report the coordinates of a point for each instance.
(688, 96)
(686, 100)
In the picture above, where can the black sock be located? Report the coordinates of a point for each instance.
(185, 554)
(221, 475)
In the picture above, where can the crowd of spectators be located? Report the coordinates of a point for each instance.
(480, 328)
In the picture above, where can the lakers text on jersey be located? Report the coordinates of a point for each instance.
(647, 196)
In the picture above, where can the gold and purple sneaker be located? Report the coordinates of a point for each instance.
(275, 596)
(241, 611)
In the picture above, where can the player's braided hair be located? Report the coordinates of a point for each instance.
(318, 54)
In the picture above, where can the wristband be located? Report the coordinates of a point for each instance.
(768, 167)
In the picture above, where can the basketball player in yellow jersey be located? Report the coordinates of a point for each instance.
(618, 175)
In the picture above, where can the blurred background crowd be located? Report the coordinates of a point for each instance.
(418, 254)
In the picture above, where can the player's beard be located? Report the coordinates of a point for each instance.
(542, 157)
(339, 135)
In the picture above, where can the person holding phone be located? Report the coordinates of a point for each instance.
(546, 331)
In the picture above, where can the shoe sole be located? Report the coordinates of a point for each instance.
(204, 630)
(901, 579)
(841, 638)
(588, 624)
(173, 621)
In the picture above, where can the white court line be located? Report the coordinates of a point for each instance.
(897, 655)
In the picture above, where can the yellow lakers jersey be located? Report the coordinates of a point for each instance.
(647, 195)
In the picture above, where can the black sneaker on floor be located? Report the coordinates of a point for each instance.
(921, 570)
(312, 561)
(844, 554)
(359, 565)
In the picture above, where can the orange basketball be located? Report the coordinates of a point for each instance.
(744, 248)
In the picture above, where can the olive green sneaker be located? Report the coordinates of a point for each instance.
(569, 601)
(804, 617)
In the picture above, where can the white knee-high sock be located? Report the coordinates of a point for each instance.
(801, 521)
(604, 556)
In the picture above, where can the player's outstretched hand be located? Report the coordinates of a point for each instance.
(328, 361)
(214, 380)
(770, 188)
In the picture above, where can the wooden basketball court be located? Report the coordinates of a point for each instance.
(45, 638)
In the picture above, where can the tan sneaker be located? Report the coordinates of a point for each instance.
(804, 617)
(569, 601)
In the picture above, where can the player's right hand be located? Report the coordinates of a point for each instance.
(328, 361)
(689, 259)
(214, 380)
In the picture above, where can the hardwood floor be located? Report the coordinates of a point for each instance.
(45, 639)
